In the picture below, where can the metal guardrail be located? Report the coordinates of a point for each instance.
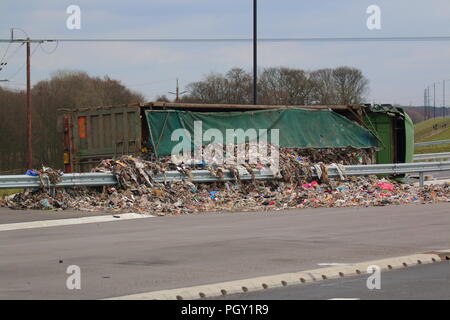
(432, 156)
(206, 176)
(431, 143)
(67, 180)
(394, 169)
(103, 179)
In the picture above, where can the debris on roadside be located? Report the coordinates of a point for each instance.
(137, 189)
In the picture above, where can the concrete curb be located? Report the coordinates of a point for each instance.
(286, 279)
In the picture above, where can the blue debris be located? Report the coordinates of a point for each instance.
(212, 194)
(32, 173)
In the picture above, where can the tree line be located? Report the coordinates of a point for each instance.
(75, 89)
(65, 89)
(282, 86)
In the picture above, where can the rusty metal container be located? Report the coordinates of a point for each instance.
(93, 134)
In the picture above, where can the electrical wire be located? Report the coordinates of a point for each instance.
(4, 55)
(23, 65)
(20, 29)
(47, 52)
(293, 39)
(12, 54)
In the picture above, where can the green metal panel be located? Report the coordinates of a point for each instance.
(382, 123)
(110, 132)
(395, 129)
(409, 136)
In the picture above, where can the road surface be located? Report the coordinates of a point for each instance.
(126, 257)
(426, 282)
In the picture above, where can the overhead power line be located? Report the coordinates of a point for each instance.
(51, 51)
(5, 61)
(294, 39)
(4, 55)
(22, 66)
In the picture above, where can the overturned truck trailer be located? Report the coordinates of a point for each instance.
(94, 134)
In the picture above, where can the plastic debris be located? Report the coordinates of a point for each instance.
(293, 188)
(32, 173)
(310, 185)
(385, 186)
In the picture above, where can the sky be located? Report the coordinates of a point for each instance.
(398, 71)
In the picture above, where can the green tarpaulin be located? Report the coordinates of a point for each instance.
(298, 128)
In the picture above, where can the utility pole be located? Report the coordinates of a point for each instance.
(434, 101)
(255, 52)
(443, 100)
(425, 104)
(177, 92)
(29, 145)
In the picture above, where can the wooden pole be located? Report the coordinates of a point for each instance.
(29, 144)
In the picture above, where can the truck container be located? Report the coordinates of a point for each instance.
(395, 131)
(94, 134)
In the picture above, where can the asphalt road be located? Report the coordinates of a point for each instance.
(441, 175)
(17, 216)
(425, 282)
(126, 257)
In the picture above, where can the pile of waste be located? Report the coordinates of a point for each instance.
(137, 189)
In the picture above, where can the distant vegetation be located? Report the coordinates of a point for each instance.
(277, 86)
(432, 130)
(65, 89)
(419, 114)
(282, 86)
(74, 89)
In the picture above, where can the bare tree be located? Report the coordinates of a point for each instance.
(270, 90)
(282, 86)
(343, 85)
(162, 98)
(351, 85)
(297, 85)
(234, 87)
(212, 90)
(239, 86)
(324, 89)
(66, 89)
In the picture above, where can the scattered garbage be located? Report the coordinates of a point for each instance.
(385, 186)
(212, 194)
(295, 187)
(32, 173)
(310, 185)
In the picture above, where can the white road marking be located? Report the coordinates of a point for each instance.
(73, 221)
(345, 299)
